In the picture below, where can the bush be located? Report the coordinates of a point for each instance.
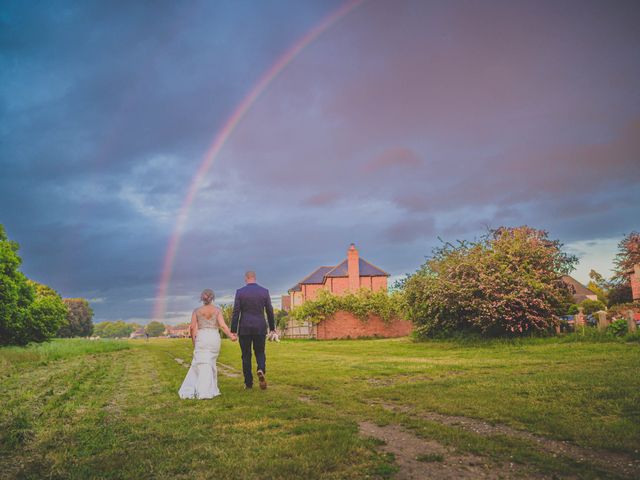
(361, 304)
(117, 329)
(507, 284)
(154, 329)
(592, 306)
(573, 309)
(617, 327)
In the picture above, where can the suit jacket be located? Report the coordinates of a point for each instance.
(249, 307)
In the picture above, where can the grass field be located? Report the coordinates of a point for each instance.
(80, 409)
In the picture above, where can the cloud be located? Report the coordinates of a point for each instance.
(405, 121)
(322, 199)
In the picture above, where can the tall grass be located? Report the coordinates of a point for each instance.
(56, 349)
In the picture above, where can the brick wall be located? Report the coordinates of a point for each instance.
(635, 282)
(344, 324)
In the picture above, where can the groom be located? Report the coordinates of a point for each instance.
(249, 307)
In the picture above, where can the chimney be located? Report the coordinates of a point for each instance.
(353, 267)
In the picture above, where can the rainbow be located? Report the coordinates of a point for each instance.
(223, 135)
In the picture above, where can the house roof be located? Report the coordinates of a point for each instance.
(341, 270)
(315, 277)
(576, 286)
(366, 270)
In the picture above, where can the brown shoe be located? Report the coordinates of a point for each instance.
(262, 380)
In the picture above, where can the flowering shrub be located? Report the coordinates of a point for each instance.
(507, 284)
(361, 304)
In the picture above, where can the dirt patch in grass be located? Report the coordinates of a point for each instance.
(228, 370)
(418, 458)
(611, 461)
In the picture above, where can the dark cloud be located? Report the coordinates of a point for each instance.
(405, 121)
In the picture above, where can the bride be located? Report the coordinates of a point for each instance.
(202, 378)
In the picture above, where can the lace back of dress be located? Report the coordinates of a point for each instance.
(207, 320)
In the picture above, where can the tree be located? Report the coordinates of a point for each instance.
(154, 329)
(29, 311)
(117, 329)
(48, 314)
(628, 255)
(16, 295)
(281, 318)
(79, 320)
(508, 283)
(598, 285)
(592, 306)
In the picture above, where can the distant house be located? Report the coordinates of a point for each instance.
(579, 291)
(177, 331)
(350, 275)
(139, 333)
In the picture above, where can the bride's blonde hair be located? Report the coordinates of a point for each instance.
(207, 296)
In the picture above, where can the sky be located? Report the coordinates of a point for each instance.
(403, 123)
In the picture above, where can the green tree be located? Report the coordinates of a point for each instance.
(598, 285)
(281, 317)
(592, 306)
(48, 312)
(79, 320)
(29, 312)
(16, 295)
(507, 284)
(118, 329)
(154, 329)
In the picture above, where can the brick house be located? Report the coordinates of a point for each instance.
(634, 281)
(177, 331)
(350, 275)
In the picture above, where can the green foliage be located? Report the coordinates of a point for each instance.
(29, 311)
(363, 303)
(56, 349)
(592, 306)
(617, 327)
(599, 286)
(573, 309)
(48, 313)
(507, 284)
(79, 320)
(154, 329)
(281, 318)
(16, 295)
(117, 329)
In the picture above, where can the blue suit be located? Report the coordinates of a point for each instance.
(251, 304)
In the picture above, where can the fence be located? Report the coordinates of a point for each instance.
(300, 330)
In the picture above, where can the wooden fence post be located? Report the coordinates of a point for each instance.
(631, 321)
(602, 320)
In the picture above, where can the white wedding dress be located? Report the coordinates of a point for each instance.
(202, 378)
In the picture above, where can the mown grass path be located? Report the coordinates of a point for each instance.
(117, 414)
